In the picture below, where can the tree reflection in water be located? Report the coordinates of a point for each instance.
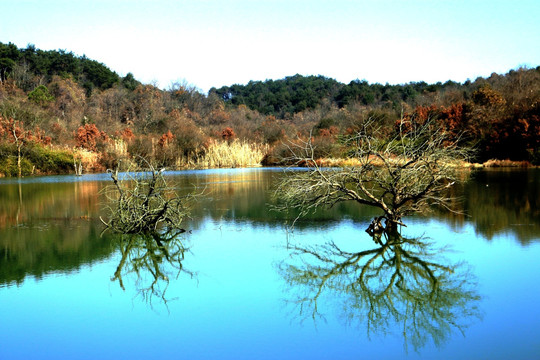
(404, 284)
(151, 259)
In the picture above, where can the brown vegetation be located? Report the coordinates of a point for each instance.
(499, 116)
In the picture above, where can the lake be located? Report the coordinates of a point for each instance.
(240, 284)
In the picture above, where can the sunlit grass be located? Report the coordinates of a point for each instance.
(354, 162)
(222, 154)
(88, 159)
(506, 163)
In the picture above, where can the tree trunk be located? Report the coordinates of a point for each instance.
(19, 159)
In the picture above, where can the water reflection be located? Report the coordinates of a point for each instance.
(39, 248)
(23, 203)
(502, 201)
(495, 201)
(244, 196)
(48, 226)
(404, 284)
(150, 261)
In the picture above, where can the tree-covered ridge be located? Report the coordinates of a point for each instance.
(290, 95)
(368, 94)
(35, 65)
(294, 94)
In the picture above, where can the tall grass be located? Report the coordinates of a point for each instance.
(89, 160)
(118, 147)
(232, 155)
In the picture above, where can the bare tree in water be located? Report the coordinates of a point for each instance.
(143, 202)
(404, 173)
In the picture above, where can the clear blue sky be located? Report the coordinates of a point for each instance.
(221, 42)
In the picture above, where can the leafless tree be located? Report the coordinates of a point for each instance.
(401, 174)
(143, 202)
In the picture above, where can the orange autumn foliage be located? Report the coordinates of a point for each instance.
(13, 131)
(165, 139)
(88, 136)
(228, 134)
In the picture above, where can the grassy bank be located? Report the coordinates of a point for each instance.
(46, 160)
(493, 163)
(35, 160)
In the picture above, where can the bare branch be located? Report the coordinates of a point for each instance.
(143, 202)
(402, 174)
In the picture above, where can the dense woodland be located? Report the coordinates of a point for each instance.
(58, 109)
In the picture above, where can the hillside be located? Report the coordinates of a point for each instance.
(56, 107)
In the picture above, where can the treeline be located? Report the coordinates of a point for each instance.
(499, 116)
(294, 94)
(57, 108)
(32, 67)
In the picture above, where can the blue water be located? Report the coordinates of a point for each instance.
(237, 304)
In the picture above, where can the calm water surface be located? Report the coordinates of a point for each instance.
(241, 286)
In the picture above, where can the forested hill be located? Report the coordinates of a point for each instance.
(55, 101)
(90, 74)
(290, 95)
(297, 93)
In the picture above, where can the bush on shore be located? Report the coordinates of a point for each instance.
(35, 160)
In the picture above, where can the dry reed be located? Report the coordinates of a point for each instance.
(506, 163)
(88, 160)
(235, 154)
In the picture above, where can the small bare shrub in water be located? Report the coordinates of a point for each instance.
(144, 203)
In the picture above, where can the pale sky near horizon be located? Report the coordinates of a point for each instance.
(214, 43)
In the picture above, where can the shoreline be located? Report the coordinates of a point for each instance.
(325, 162)
(492, 163)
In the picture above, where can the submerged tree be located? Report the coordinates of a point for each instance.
(400, 174)
(399, 283)
(404, 284)
(143, 203)
(147, 213)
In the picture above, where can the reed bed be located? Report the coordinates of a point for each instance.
(223, 154)
(85, 160)
(506, 163)
(493, 163)
(354, 162)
